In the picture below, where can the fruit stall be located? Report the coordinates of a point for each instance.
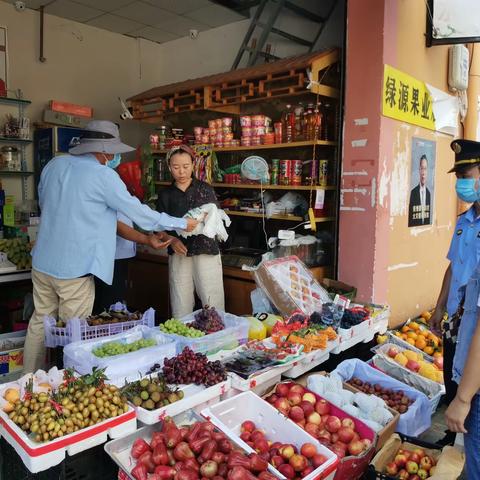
(218, 396)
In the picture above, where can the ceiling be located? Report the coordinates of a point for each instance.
(156, 20)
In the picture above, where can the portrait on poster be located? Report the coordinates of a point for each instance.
(422, 183)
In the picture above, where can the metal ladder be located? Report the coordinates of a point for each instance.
(254, 47)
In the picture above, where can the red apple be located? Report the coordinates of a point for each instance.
(322, 407)
(420, 452)
(276, 445)
(294, 398)
(309, 397)
(297, 389)
(318, 460)
(400, 460)
(355, 447)
(286, 451)
(324, 436)
(333, 424)
(403, 475)
(348, 423)
(356, 436)
(413, 477)
(272, 398)
(308, 450)
(314, 418)
(256, 435)
(248, 426)
(345, 434)
(307, 407)
(312, 429)
(393, 352)
(413, 365)
(366, 443)
(277, 460)
(338, 451)
(307, 471)
(298, 462)
(426, 463)
(245, 436)
(391, 469)
(261, 445)
(287, 470)
(334, 437)
(296, 413)
(301, 423)
(282, 390)
(282, 405)
(414, 457)
(412, 467)
(423, 474)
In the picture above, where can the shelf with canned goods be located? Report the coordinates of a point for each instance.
(260, 187)
(294, 218)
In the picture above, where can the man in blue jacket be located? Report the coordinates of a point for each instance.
(79, 198)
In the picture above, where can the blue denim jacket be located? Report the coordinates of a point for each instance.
(467, 325)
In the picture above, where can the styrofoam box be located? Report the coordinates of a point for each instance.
(345, 343)
(246, 384)
(309, 361)
(194, 395)
(234, 334)
(38, 457)
(230, 414)
(78, 329)
(123, 367)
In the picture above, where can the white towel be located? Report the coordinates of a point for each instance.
(211, 222)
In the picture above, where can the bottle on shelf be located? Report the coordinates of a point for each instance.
(298, 112)
(288, 124)
(308, 122)
(318, 123)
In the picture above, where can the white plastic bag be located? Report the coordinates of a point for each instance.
(211, 220)
(416, 419)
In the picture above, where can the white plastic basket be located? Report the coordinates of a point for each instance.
(234, 334)
(128, 366)
(230, 414)
(78, 329)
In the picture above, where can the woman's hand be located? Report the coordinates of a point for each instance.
(160, 240)
(178, 247)
(191, 224)
(456, 414)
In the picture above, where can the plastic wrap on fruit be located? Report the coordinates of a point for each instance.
(347, 397)
(380, 415)
(376, 427)
(366, 402)
(352, 410)
(317, 384)
(333, 397)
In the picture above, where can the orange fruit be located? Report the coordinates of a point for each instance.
(437, 354)
(423, 333)
(405, 329)
(414, 325)
(398, 334)
(404, 336)
(411, 341)
(412, 335)
(428, 350)
(421, 343)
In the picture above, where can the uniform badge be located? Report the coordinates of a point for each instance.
(460, 231)
(456, 147)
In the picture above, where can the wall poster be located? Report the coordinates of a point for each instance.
(422, 183)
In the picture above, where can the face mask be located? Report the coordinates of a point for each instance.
(465, 188)
(115, 161)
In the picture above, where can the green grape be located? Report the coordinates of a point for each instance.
(116, 348)
(178, 328)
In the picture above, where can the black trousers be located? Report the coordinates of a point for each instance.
(448, 354)
(106, 295)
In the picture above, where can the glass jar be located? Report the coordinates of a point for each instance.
(11, 158)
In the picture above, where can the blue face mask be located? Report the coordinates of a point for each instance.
(115, 161)
(465, 188)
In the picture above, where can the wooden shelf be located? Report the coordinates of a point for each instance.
(293, 218)
(248, 186)
(307, 143)
(14, 101)
(14, 140)
(9, 173)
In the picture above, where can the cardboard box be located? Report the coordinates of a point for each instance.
(449, 460)
(73, 109)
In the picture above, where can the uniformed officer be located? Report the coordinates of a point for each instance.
(464, 254)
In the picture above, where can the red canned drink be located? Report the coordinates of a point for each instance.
(296, 176)
(323, 173)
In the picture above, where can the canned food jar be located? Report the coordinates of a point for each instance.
(154, 140)
(247, 131)
(323, 173)
(258, 131)
(284, 173)
(258, 120)
(278, 131)
(246, 141)
(245, 121)
(269, 139)
(213, 132)
(11, 159)
(228, 137)
(256, 140)
(227, 121)
(218, 123)
(205, 138)
(197, 130)
(226, 130)
(212, 124)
